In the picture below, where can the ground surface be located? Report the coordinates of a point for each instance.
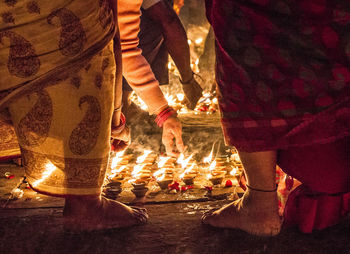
(33, 224)
(172, 228)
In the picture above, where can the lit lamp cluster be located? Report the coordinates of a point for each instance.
(189, 167)
(221, 166)
(119, 171)
(165, 173)
(207, 103)
(141, 173)
(237, 166)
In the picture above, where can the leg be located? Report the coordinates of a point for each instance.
(257, 211)
(64, 135)
(87, 213)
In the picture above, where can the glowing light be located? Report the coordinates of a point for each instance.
(137, 170)
(161, 178)
(187, 170)
(212, 166)
(180, 96)
(170, 99)
(234, 171)
(117, 158)
(117, 171)
(182, 161)
(209, 158)
(159, 172)
(235, 157)
(189, 42)
(143, 157)
(162, 161)
(199, 40)
(215, 100)
(49, 169)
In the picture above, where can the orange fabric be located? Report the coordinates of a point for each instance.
(136, 69)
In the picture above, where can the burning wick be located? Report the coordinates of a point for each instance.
(180, 96)
(117, 158)
(143, 157)
(181, 160)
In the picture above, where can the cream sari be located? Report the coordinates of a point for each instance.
(57, 72)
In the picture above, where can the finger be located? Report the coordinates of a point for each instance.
(178, 139)
(168, 143)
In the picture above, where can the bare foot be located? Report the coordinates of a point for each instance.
(98, 213)
(193, 92)
(255, 213)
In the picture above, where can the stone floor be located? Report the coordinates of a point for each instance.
(172, 228)
(35, 226)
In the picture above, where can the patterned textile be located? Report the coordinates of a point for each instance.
(283, 71)
(9, 147)
(323, 198)
(57, 73)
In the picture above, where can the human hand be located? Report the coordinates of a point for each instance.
(172, 129)
(120, 134)
(193, 92)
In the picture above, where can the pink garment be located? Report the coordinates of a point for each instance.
(323, 198)
(283, 71)
(283, 75)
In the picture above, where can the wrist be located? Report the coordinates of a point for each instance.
(187, 81)
(186, 78)
(164, 115)
(160, 109)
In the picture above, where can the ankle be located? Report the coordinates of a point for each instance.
(80, 203)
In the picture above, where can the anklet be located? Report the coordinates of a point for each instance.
(249, 187)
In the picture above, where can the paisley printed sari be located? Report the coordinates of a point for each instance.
(57, 83)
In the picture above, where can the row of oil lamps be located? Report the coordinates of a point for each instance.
(166, 170)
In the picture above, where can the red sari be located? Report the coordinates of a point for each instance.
(283, 75)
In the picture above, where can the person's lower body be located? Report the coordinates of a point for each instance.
(321, 201)
(64, 136)
(257, 211)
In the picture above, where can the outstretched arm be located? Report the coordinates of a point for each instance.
(176, 41)
(139, 75)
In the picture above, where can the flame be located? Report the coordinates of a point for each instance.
(234, 171)
(169, 65)
(178, 5)
(180, 96)
(235, 157)
(187, 170)
(162, 161)
(137, 170)
(199, 40)
(161, 178)
(49, 169)
(116, 171)
(159, 172)
(117, 158)
(209, 158)
(212, 166)
(182, 161)
(170, 99)
(143, 157)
